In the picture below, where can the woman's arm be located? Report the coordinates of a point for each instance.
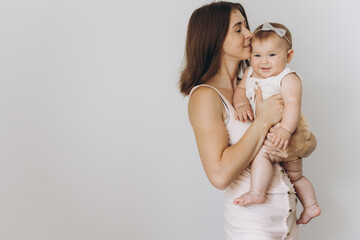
(222, 163)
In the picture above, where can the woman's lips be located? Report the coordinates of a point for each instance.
(248, 46)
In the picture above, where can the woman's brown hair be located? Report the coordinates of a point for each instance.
(207, 30)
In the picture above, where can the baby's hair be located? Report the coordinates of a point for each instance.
(265, 35)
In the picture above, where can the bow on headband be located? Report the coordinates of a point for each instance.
(279, 31)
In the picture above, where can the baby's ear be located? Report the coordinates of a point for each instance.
(290, 55)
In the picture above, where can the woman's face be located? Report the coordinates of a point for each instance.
(237, 44)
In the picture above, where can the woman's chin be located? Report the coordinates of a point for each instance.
(245, 56)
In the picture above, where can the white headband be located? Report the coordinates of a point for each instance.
(279, 31)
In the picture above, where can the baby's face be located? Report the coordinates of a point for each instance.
(269, 57)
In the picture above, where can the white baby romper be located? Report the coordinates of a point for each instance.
(269, 86)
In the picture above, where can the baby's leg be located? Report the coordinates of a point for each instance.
(305, 191)
(261, 175)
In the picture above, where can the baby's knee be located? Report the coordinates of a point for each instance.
(295, 175)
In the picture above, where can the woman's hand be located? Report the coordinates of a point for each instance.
(269, 110)
(298, 147)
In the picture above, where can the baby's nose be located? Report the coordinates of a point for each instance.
(264, 59)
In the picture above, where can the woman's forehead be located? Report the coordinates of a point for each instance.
(236, 18)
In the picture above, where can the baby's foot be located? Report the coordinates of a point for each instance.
(250, 198)
(308, 214)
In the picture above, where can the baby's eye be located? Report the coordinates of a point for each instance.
(256, 55)
(272, 54)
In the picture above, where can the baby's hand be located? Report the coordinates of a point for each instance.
(280, 138)
(244, 113)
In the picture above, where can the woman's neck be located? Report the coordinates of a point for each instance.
(226, 76)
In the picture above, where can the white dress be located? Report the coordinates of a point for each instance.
(273, 220)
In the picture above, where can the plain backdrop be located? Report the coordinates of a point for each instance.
(95, 141)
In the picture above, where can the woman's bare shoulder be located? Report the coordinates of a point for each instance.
(202, 93)
(205, 102)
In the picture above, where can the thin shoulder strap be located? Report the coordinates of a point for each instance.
(228, 107)
(226, 102)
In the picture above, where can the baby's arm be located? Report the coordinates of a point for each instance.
(241, 103)
(291, 91)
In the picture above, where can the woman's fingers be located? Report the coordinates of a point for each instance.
(273, 129)
(286, 144)
(258, 100)
(274, 159)
(269, 110)
(277, 141)
(270, 136)
(281, 144)
(268, 143)
(258, 95)
(277, 154)
(273, 138)
(278, 98)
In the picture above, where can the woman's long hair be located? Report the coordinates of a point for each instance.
(207, 30)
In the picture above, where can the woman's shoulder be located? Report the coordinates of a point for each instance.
(204, 95)
(203, 89)
(205, 101)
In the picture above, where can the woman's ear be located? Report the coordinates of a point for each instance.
(290, 55)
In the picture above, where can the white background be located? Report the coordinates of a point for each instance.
(95, 141)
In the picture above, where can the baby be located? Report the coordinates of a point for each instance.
(271, 51)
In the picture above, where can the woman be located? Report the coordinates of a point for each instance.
(217, 47)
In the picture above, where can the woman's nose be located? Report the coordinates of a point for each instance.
(248, 34)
